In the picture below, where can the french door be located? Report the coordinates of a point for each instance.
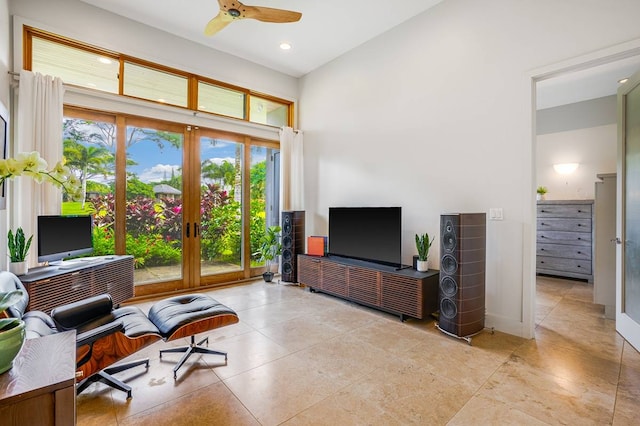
(189, 204)
(628, 220)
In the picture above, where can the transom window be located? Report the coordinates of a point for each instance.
(91, 67)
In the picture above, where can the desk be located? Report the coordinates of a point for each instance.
(40, 387)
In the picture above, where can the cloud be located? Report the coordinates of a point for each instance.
(221, 160)
(159, 172)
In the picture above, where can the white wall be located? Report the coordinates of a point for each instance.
(593, 148)
(436, 116)
(583, 132)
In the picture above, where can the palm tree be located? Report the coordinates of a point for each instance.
(87, 162)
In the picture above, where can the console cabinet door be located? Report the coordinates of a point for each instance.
(364, 285)
(402, 294)
(309, 271)
(334, 278)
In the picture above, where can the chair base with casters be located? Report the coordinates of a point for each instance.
(105, 376)
(191, 349)
(186, 316)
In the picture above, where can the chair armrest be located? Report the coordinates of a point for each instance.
(90, 336)
(75, 314)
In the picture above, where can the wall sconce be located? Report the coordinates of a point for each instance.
(565, 168)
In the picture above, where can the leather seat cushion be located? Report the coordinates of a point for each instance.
(175, 312)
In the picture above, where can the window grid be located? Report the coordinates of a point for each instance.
(170, 86)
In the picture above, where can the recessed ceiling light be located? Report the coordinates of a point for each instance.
(91, 84)
(161, 100)
(623, 80)
(285, 46)
(104, 60)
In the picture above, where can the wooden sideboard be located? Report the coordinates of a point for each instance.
(40, 387)
(565, 238)
(404, 292)
(52, 286)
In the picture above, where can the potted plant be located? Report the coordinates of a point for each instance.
(11, 330)
(541, 192)
(270, 248)
(18, 250)
(423, 244)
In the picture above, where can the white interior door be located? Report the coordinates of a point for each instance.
(628, 220)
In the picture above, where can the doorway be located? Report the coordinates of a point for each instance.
(569, 81)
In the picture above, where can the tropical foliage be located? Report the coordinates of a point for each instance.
(154, 222)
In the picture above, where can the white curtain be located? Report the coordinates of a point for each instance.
(39, 128)
(291, 170)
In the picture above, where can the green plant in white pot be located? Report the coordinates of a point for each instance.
(270, 248)
(11, 330)
(18, 250)
(423, 244)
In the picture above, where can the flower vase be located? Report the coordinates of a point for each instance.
(18, 268)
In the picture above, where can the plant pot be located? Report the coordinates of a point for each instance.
(540, 197)
(422, 265)
(267, 276)
(18, 268)
(11, 341)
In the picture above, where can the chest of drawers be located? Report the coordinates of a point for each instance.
(564, 242)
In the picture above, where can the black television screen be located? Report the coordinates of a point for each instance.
(366, 233)
(60, 237)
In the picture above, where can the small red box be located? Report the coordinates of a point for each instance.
(316, 246)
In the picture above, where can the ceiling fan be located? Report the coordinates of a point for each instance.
(232, 10)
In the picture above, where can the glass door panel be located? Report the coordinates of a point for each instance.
(264, 191)
(89, 148)
(154, 159)
(221, 212)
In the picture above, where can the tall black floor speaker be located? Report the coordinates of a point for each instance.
(292, 243)
(462, 273)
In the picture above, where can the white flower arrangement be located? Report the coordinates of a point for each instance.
(32, 165)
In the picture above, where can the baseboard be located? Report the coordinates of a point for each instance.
(507, 325)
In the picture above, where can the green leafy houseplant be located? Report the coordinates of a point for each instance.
(270, 247)
(423, 244)
(541, 190)
(18, 245)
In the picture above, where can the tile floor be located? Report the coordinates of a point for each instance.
(301, 358)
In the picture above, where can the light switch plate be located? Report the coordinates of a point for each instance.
(495, 213)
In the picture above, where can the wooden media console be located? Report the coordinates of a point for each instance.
(403, 292)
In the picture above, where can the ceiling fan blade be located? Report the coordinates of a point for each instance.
(268, 14)
(217, 23)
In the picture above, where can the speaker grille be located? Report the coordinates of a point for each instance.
(462, 273)
(292, 243)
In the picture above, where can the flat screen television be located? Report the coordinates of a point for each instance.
(60, 237)
(366, 233)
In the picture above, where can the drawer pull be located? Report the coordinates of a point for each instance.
(579, 252)
(579, 238)
(541, 249)
(579, 224)
(579, 211)
(542, 261)
(542, 211)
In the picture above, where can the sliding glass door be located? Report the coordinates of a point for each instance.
(181, 200)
